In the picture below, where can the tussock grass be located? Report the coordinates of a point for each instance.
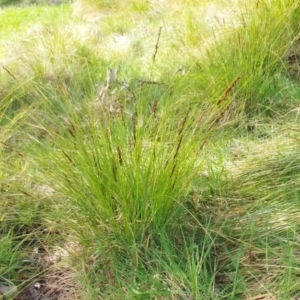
(131, 168)
(257, 51)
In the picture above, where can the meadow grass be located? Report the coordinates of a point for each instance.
(181, 180)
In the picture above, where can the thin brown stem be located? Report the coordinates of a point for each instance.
(9, 73)
(180, 137)
(156, 45)
(228, 90)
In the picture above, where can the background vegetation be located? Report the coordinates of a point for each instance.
(178, 179)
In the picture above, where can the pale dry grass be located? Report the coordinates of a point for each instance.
(57, 280)
(187, 29)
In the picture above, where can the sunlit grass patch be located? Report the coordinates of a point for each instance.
(15, 20)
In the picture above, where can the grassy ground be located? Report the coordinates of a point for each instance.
(177, 178)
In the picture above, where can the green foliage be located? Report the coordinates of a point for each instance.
(124, 173)
(10, 257)
(15, 20)
(116, 5)
(175, 181)
(256, 52)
